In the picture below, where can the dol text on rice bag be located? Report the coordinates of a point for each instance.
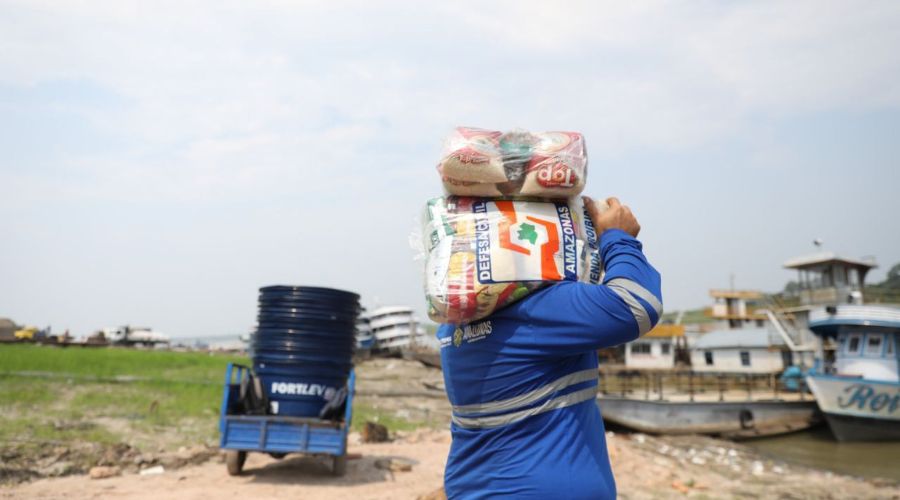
(557, 167)
(484, 254)
(518, 163)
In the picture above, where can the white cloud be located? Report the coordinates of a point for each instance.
(215, 103)
(670, 77)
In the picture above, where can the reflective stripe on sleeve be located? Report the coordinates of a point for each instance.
(529, 397)
(637, 310)
(639, 291)
(509, 418)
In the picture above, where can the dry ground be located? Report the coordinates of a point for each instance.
(403, 395)
(645, 467)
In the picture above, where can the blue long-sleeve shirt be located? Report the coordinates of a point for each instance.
(523, 383)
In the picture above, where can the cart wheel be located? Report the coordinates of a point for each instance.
(234, 460)
(277, 456)
(339, 465)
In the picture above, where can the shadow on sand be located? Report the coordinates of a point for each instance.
(313, 470)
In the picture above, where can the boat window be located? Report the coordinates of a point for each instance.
(640, 348)
(889, 348)
(666, 347)
(745, 358)
(853, 343)
(873, 344)
(827, 279)
(709, 358)
(840, 276)
(853, 277)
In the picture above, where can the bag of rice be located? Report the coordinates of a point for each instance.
(478, 162)
(558, 166)
(473, 155)
(484, 254)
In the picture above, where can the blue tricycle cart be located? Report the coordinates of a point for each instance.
(274, 434)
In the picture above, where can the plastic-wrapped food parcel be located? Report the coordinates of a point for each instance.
(488, 163)
(484, 254)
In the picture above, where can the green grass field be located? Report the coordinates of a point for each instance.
(115, 362)
(106, 395)
(145, 398)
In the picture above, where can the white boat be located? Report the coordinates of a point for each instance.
(394, 328)
(858, 389)
(855, 379)
(364, 338)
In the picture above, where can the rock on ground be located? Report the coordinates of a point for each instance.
(103, 472)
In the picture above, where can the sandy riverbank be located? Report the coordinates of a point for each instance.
(403, 395)
(645, 467)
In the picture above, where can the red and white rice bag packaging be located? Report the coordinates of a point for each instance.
(487, 163)
(557, 167)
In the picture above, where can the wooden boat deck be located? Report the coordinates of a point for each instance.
(731, 396)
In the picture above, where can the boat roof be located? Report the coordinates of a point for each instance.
(827, 320)
(827, 258)
(738, 337)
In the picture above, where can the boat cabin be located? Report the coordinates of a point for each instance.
(743, 350)
(656, 349)
(829, 279)
(871, 355)
(864, 340)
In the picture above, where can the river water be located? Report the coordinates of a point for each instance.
(818, 448)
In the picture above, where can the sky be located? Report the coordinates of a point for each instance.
(160, 161)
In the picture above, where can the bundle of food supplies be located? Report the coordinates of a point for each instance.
(484, 254)
(512, 223)
(478, 162)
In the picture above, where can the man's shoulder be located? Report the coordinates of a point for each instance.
(559, 291)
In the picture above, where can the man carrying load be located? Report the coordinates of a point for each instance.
(523, 381)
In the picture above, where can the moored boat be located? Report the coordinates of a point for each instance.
(364, 338)
(857, 385)
(724, 381)
(733, 406)
(394, 329)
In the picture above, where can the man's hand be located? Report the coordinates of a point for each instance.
(612, 215)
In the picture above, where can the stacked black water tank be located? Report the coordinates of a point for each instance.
(303, 347)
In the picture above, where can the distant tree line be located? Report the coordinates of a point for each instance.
(891, 284)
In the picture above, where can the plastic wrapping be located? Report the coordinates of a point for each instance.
(484, 254)
(488, 163)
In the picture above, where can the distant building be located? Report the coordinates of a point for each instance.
(737, 307)
(7, 329)
(656, 349)
(743, 350)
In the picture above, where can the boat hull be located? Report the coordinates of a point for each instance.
(858, 409)
(847, 428)
(731, 419)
